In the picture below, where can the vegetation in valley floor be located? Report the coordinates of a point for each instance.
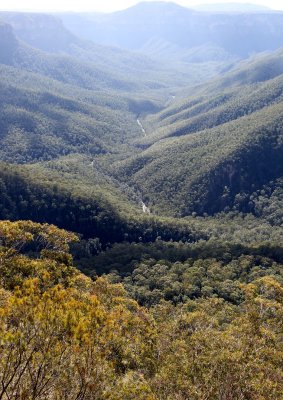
(100, 300)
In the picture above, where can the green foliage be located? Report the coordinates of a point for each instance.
(213, 107)
(103, 212)
(177, 272)
(206, 261)
(239, 157)
(38, 126)
(64, 336)
(211, 349)
(151, 281)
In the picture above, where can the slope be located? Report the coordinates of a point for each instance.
(40, 123)
(250, 86)
(70, 194)
(211, 152)
(108, 67)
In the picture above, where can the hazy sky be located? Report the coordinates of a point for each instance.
(110, 5)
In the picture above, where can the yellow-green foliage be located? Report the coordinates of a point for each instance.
(212, 350)
(63, 336)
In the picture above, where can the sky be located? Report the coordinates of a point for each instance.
(111, 5)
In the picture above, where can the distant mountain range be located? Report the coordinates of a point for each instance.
(152, 27)
(160, 30)
(232, 7)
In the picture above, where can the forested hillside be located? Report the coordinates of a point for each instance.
(210, 152)
(141, 205)
(112, 149)
(72, 70)
(88, 64)
(47, 125)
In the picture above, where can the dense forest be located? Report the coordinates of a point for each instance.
(141, 204)
(66, 336)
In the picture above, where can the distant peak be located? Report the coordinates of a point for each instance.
(157, 5)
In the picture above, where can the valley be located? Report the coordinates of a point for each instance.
(141, 192)
(186, 146)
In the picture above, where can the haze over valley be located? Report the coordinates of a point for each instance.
(155, 135)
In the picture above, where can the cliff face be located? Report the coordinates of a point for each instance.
(41, 31)
(151, 25)
(8, 44)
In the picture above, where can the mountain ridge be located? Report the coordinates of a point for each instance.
(229, 7)
(187, 28)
